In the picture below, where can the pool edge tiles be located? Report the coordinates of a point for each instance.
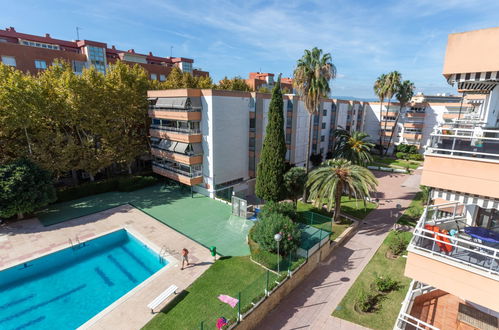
(129, 261)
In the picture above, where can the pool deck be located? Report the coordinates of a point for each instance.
(24, 240)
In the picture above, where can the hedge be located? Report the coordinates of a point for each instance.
(124, 184)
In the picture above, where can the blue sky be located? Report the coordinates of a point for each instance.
(366, 38)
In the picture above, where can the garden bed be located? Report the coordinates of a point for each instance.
(413, 212)
(349, 206)
(395, 162)
(388, 304)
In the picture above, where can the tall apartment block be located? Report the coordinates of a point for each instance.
(257, 80)
(211, 139)
(453, 257)
(31, 53)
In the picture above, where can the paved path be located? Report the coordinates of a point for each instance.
(310, 305)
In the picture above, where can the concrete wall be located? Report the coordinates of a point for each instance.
(472, 51)
(229, 126)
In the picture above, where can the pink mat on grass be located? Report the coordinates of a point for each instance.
(228, 300)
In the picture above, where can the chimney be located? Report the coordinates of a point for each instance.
(132, 51)
(11, 29)
(150, 53)
(47, 35)
(113, 47)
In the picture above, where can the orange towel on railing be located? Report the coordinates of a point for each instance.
(441, 240)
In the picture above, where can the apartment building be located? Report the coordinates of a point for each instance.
(31, 53)
(453, 257)
(257, 80)
(420, 117)
(211, 139)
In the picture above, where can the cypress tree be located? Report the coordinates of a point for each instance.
(271, 167)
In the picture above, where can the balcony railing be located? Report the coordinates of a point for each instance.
(407, 321)
(191, 174)
(177, 129)
(465, 142)
(440, 232)
(187, 154)
(162, 108)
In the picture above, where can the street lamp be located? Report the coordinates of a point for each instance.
(278, 238)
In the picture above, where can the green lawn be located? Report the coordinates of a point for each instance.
(396, 163)
(350, 206)
(199, 301)
(413, 212)
(385, 317)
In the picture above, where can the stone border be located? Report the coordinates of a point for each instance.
(252, 318)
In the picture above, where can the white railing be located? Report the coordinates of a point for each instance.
(177, 130)
(404, 318)
(188, 154)
(192, 174)
(454, 248)
(158, 107)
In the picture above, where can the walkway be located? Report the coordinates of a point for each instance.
(310, 305)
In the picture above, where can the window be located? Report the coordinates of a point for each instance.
(323, 125)
(40, 64)
(96, 56)
(154, 76)
(162, 77)
(321, 151)
(324, 112)
(323, 138)
(78, 66)
(289, 121)
(186, 67)
(252, 143)
(9, 60)
(252, 124)
(288, 137)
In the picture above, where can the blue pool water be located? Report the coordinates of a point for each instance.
(65, 289)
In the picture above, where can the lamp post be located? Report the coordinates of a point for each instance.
(278, 238)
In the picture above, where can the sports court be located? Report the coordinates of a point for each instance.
(207, 221)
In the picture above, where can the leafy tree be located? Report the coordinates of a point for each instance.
(271, 167)
(311, 78)
(265, 229)
(336, 177)
(24, 187)
(225, 83)
(352, 147)
(385, 87)
(287, 209)
(404, 94)
(234, 84)
(188, 81)
(174, 79)
(294, 182)
(204, 82)
(264, 90)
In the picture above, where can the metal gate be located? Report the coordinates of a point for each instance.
(239, 207)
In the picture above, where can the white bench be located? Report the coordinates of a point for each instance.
(162, 297)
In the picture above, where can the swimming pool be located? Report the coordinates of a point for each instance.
(65, 289)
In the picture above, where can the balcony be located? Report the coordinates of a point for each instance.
(447, 241)
(190, 136)
(175, 172)
(189, 159)
(426, 307)
(175, 114)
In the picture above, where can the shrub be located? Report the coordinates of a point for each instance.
(287, 209)
(398, 244)
(400, 155)
(416, 157)
(271, 224)
(99, 187)
(407, 148)
(386, 284)
(136, 182)
(367, 301)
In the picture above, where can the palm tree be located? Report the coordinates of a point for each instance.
(380, 91)
(404, 94)
(392, 83)
(352, 147)
(335, 177)
(311, 79)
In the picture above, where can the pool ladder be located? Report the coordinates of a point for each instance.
(162, 253)
(77, 244)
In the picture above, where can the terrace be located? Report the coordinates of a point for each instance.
(477, 143)
(447, 233)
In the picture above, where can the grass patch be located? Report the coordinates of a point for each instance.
(413, 212)
(388, 308)
(199, 302)
(350, 206)
(395, 163)
(269, 259)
